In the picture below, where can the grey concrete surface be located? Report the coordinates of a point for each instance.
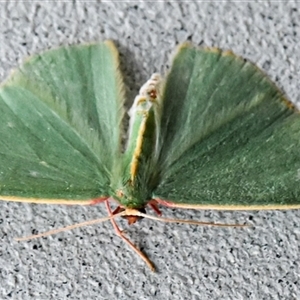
(261, 262)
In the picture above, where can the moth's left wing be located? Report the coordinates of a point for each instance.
(230, 140)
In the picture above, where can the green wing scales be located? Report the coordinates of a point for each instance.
(61, 115)
(229, 138)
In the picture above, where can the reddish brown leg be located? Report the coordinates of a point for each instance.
(127, 241)
(153, 205)
(117, 210)
(110, 213)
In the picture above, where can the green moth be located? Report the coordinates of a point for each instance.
(215, 133)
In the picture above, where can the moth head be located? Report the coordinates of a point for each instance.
(131, 219)
(129, 201)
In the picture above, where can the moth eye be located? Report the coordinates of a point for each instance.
(153, 94)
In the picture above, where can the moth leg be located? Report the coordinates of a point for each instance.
(126, 240)
(117, 210)
(153, 205)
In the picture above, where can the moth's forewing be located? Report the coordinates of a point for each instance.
(229, 136)
(60, 125)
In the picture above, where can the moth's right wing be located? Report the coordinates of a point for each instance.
(61, 114)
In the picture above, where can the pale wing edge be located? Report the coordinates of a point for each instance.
(169, 203)
(54, 201)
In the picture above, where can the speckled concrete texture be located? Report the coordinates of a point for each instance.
(260, 262)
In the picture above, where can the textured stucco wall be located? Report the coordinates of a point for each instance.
(261, 262)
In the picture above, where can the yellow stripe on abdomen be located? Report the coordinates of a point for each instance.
(138, 148)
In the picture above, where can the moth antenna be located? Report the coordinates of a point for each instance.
(55, 231)
(168, 220)
(120, 233)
